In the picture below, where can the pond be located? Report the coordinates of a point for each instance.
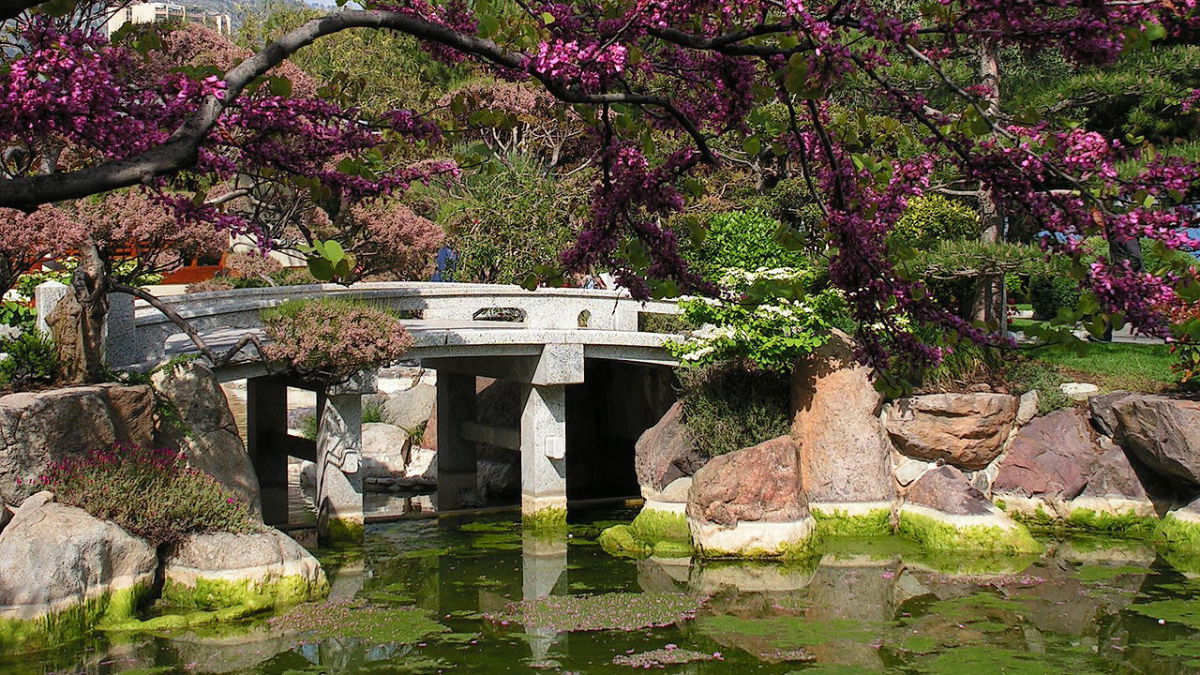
(479, 596)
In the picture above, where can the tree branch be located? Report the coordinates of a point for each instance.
(179, 151)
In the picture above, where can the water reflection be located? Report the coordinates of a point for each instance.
(869, 605)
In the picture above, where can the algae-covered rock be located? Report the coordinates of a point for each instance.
(835, 520)
(222, 570)
(1179, 532)
(944, 511)
(622, 540)
(63, 571)
(749, 503)
(653, 531)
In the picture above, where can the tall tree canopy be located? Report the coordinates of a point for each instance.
(667, 89)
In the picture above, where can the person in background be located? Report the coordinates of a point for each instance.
(445, 264)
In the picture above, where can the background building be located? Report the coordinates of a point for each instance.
(156, 12)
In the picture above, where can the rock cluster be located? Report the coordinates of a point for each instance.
(64, 571)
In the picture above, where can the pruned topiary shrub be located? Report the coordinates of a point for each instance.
(153, 494)
(333, 338)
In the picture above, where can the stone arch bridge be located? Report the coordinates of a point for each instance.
(568, 350)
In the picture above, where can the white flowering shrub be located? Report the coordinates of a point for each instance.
(770, 317)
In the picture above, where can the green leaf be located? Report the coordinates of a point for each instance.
(279, 86)
(752, 146)
(489, 25)
(321, 269)
(547, 18)
(334, 251)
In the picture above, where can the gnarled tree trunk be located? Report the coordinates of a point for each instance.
(78, 321)
(990, 306)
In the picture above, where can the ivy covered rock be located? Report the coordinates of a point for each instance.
(967, 430)
(845, 454)
(750, 503)
(63, 571)
(206, 430)
(222, 570)
(943, 511)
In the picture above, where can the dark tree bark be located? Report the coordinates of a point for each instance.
(989, 306)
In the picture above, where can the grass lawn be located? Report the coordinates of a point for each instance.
(1114, 365)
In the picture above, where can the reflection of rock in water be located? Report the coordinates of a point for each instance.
(664, 575)
(859, 595)
(238, 649)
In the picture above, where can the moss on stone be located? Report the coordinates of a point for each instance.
(222, 594)
(622, 540)
(663, 533)
(1127, 524)
(545, 520)
(655, 525)
(343, 532)
(941, 536)
(59, 628)
(840, 523)
(1177, 535)
(672, 549)
(177, 621)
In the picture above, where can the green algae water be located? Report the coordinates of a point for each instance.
(481, 596)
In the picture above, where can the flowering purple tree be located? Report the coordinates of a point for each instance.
(666, 87)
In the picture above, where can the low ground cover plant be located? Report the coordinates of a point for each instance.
(152, 493)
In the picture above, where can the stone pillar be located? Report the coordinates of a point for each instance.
(266, 420)
(339, 455)
(121, 346)
(544, 457)
(46, 297)
(456, 455)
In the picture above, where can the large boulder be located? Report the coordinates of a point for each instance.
(411, 408)
(845, 455)
(206, 431)
(1050, 457)
(1163, 433)
(5, 515)
(666, 451)
(44, 428)
(386, 449)
(948, 490)
(223, 570)
(751, 503)
(966, 430)
(62, 571)
(944, 512)
(1104, 417)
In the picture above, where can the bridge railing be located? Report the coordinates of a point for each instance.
(138, 332)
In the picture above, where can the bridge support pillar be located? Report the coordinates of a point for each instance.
(339, 457)
(456, 459)
(544, 457)
(266, 421)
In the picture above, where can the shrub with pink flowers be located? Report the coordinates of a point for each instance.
(152, 493)
(332, 338)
